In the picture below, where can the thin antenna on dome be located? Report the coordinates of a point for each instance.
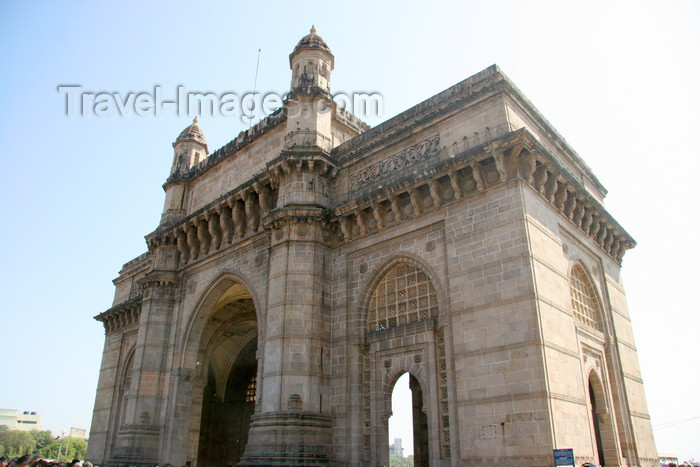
(255, 85)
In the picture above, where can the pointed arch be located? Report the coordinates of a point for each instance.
(402, 291)
(215, 367)
(213, 295)
(584, 298)
(419, 416)
(127, 369)
(122, 391)
(604, 437)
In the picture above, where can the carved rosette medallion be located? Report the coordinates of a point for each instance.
(469, 184)
(492, 176)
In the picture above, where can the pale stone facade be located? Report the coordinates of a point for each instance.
(298, 271)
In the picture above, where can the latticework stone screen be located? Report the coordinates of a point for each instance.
(583, 299)
(404, 295)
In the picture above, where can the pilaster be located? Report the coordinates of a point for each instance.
(138, 438)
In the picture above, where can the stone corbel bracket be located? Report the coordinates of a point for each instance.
(228, 220)
(302, 161)
(121, 317)
(299, 223)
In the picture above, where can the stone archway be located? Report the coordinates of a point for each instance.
(419, 419)
(603, 427)
(223, 397)
(225, 419)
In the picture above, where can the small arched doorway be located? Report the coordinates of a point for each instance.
(416, 416)
(228, 364)
(603, 431)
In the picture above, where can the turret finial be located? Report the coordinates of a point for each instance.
(313, 29)
(195, 121)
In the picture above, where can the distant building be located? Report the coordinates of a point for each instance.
(78, 433)
(666, 459)
(396, 448)
(24, 421)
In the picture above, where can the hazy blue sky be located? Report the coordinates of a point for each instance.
(619, 80)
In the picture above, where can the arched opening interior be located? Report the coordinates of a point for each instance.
(596, 425)
(228, 359)
(602, 425)
(409, 422)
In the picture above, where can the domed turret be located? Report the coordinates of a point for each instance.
(194, 134)
(309, 105)
(311, 41)
(190, 148)
(311, 63)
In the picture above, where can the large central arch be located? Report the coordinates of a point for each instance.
(222, 345)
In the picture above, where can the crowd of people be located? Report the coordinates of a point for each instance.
(31, 460)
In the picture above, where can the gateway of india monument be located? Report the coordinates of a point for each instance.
(298, 271)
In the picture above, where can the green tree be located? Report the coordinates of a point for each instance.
(397, 461)
(73, 449)
(42, 440)
(50, 451)
(15, 443)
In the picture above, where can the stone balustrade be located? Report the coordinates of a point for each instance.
(517, 156)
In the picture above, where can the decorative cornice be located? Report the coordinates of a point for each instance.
(302, 223)
(120, 317)
(300, 160)
(487, 82)
(159, 279)
(517, 155)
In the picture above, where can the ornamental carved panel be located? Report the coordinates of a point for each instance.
(408, 157)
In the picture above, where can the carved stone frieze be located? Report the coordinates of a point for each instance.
(395, 163)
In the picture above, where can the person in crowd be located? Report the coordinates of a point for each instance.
(27, 460)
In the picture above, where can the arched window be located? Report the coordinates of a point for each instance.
(583, 298)
(404, 295)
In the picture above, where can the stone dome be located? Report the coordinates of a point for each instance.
(312, 41)
(193, 133)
